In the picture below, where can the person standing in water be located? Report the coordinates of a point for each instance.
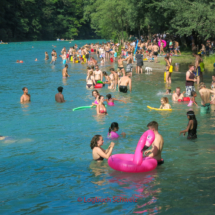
(124, 82)
(191, 127)
(213, 88)
(205, 97)
(64, 72)
(98, 74)
(139, 66)
(25, 97)
(177, 95)
(129, 66)
(97, 151)
(190, 79)
(116, 77)
(46, 56)
(157, 145)
(59, 96)
(155, 51)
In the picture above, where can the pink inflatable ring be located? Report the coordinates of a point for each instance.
(135, 162)
(98, 86)
(164, 43)
(113, 135)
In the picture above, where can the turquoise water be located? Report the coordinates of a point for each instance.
(46, 164)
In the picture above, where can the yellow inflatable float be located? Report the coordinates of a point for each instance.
(159, 109)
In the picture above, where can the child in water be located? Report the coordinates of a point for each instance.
(191, 127)
(114, 127)
(110, 100)
(168, 92)
(165, 103)
(192, 99)
(102, 61)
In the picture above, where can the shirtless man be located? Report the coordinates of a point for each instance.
(98, 74)
(157, 145)
(25, 97)
(155, 49)
(203, 49)
(64, 72)
(198, 72)
(129, 60)
(116, 77)
(124, 82)
(177, 95)
(150, 51)
(59, 96)
(205, 95)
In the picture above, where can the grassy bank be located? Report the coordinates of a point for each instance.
(186, 57)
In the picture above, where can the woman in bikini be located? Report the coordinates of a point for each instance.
(101, 109)
(97, 151)
(96, 94)
(90, 80)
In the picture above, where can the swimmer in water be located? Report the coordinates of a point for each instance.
(59, 96)
(17, 61)
(100, 108)
(213, 88)
(25, 97)
(124, 82)
(110, 100)
(205, 95)
(165, 103)
(90, 80)
(2, 137)
(177, 94)
(114, 127)
(157, 145)
(96, 94)
(191, 127)
(64, 72)
(192, 99)
(168, 92)
(46, 56)
(36, 59)
(97, 151)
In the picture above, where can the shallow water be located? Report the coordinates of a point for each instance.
(47, 164)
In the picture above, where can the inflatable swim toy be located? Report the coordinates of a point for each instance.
(164, 43)
(111, 60)
(77, 61)
(71, 59)
(20, 61)
(135, 50)
(98, 86)
(135, 162)
(159, 109)
(202, 66)
(84, 107)
(185, 99)
(99, 82)
(113, 135)
(171, 68)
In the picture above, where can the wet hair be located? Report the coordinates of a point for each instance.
(94, 141)
(90, 73)
(24, 88)
(111, 69)
(105, 73)
(191, 115)
(95, 91)
(60, 89)
(66, 65)
(193, 93)
(88, 67)
(112, 126)
(169, 90)
(100, 96)
(92, 67)
(166, 100)
(153, 124)
(108, 96)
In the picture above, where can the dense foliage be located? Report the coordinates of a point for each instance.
(110, 19)
(43, 20)
(123, 17)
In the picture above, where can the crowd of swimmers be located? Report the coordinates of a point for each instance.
(121, 79)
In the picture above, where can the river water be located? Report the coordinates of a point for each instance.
(46, 164)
